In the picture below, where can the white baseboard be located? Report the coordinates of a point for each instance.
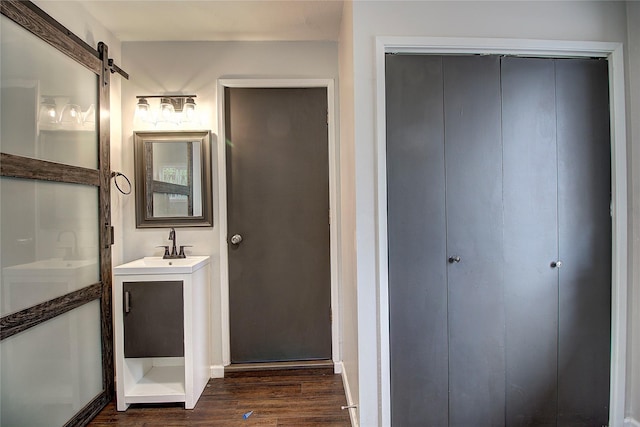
(217, 371)
(353, 412)
(630, 422)
(337, 367)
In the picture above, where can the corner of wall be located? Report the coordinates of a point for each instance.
(347, 235)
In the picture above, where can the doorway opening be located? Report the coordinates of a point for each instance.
(538, 48)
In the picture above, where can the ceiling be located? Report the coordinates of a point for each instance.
(218, 20)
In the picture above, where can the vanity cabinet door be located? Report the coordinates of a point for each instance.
(153, 319)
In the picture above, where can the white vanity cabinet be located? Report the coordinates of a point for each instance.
(161, 318)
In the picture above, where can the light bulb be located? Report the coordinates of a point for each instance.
(189, 109)
(142, 110)
(48, 114)
(71, 115)
(166, 109)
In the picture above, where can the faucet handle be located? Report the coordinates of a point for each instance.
(166, 251)
(182, 254)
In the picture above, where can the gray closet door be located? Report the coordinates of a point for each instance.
(473, 164)
(584, 197)
(530, 240)
(447, 319)
(498, 171)
(417, 241)
(556, 208)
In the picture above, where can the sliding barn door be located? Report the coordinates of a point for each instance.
(56, 350)
(499, 240)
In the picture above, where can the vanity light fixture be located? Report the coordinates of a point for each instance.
(48, 112)
(57, 112)
(172, 109)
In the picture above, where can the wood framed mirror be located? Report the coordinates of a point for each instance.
(173, 179)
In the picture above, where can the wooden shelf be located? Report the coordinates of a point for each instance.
(160, 384)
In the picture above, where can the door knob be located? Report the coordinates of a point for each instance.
(556, 264)
(236, 239)
(454, 259)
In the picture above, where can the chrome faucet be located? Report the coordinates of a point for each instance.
(70, 251)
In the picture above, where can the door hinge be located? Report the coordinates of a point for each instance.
(329, 216)
(330, 316)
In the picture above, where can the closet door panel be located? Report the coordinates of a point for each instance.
(530, 240)
(473, 162)
(417, 241)
(584, 195)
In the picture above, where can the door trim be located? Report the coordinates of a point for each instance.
(541, 48)
(333, 207)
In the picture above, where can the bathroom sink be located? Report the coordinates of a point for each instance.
(158, 265)
(54, 265)
(28, 284)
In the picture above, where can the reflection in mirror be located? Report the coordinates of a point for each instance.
(173, 179)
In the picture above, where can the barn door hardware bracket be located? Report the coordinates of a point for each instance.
(115, 69)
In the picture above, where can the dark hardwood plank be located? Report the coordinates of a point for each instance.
(302, 398)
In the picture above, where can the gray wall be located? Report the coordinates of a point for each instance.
(349, 295)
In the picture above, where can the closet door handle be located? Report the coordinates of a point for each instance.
(127, 302)
(454, 259)
(556, 264)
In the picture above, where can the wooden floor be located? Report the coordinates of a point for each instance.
(301, 398)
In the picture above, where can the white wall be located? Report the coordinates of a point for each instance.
(349, 305)
(194, 68)
(596, 21)
(90, 30)
(633, 112)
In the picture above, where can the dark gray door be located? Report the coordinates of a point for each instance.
(447, 318)
(473, 162)
(499, 169)
(278, 203)
(530, 240)
(417, 241)
(584, 230)
(556, 208)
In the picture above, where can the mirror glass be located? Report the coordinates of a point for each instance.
(173, 179)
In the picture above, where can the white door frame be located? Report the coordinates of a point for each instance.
(222, 191)
(540, 48)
